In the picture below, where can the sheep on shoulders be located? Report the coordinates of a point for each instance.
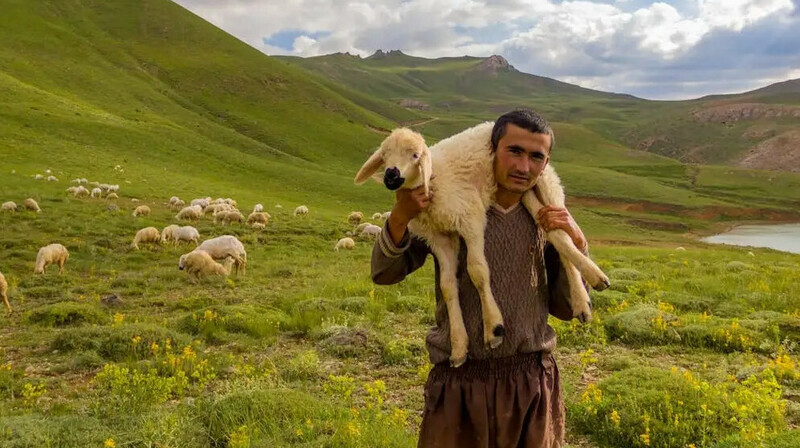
(459, 171)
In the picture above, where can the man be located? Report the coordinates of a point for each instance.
(509, 396)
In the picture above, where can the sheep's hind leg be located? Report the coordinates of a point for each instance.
(478, 268)
(445, 248)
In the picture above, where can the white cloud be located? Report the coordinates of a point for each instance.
(617, 46)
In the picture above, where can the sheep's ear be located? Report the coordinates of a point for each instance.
(369, 168)
(426, 171)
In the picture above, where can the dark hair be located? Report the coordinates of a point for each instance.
(524, 118)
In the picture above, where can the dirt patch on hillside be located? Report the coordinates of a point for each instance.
(729, 113)
(781, 153)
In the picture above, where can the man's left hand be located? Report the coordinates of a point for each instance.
(551, 218)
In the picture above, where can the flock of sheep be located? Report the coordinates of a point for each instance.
(205, 259)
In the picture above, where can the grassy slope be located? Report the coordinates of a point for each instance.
(187, 110)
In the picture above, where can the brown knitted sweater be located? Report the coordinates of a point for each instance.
(527, 280)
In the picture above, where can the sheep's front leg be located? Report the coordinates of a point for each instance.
(478, 268)
(61, 263)
(566, 248)
(445, 248)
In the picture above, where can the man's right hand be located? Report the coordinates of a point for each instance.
(409, 204)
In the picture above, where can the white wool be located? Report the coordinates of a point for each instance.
(141, 210)
(146, 235)
(51, 254)
(9, 206)
(200, 264)
(225, 246)
(32, 205)
(344, 243)
(371, 230)
(300, 210)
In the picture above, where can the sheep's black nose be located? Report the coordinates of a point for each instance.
(392, 179)
(180, 267)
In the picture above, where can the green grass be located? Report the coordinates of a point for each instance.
(304, 350)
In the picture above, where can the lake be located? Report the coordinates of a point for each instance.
(783, 237)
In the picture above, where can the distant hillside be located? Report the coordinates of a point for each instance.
(722, 129)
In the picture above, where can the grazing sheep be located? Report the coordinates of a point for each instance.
(51, 254)
(38, 177)
(97, 192)
(680, 248)
(751, 254)
(146, 235)
(213, 209)
(173, 200)
(258, 225)
(71, 190)
(134, 200)
(344, 243)
(225, 246)
(354, 218)
(360, 228)
(113, 188)
(198, 264)
(202, 202)
(186, 233)
(376, 216)
(386, 215)
(300, 210)
(9, 206)
(258, 217)
(75, 181)
(4, 292)
(31, 205)
(48, 171)
(191, 212)
(166, 234)
(179, 204)
(228, 217)
(112, 196)
(141, 210)
(258, 208)
(464, 184)
(52, 179)
(371, 230)
(81, 192)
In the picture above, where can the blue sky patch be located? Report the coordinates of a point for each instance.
(285, 39)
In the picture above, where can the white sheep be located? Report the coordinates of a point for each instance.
(52, 179)
(228, 217)
(141, 210)
(371, 230)
(51, 254)
(464, 187)
(166, 234)
(258, 217)
(191, 212)
(4, 291)
(9, 206)
(386, 215)
(97, 192)
(112, 196)
(173, 200)
(81, 192)
(202, 202)
(75, 181)
(48, 171)
(186, 233)
(344, 243)
(38, 177)
(226, 246)
(179, 204)
(71, 190)
(146, 235)
(84, 180)
(199, 263)
(258, 225)
(376, 216)
(300, 210)
(31, 205)
(354, 218)
(258, 208)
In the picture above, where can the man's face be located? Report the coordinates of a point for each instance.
(521, 157)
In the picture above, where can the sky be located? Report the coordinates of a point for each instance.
(656, 50)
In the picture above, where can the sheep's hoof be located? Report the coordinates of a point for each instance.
(603, 284)
(458, 361)
(494, 339)
(584, 317)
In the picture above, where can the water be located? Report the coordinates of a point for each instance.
(783, 237)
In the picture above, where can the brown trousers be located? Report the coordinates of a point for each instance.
(512, 402)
